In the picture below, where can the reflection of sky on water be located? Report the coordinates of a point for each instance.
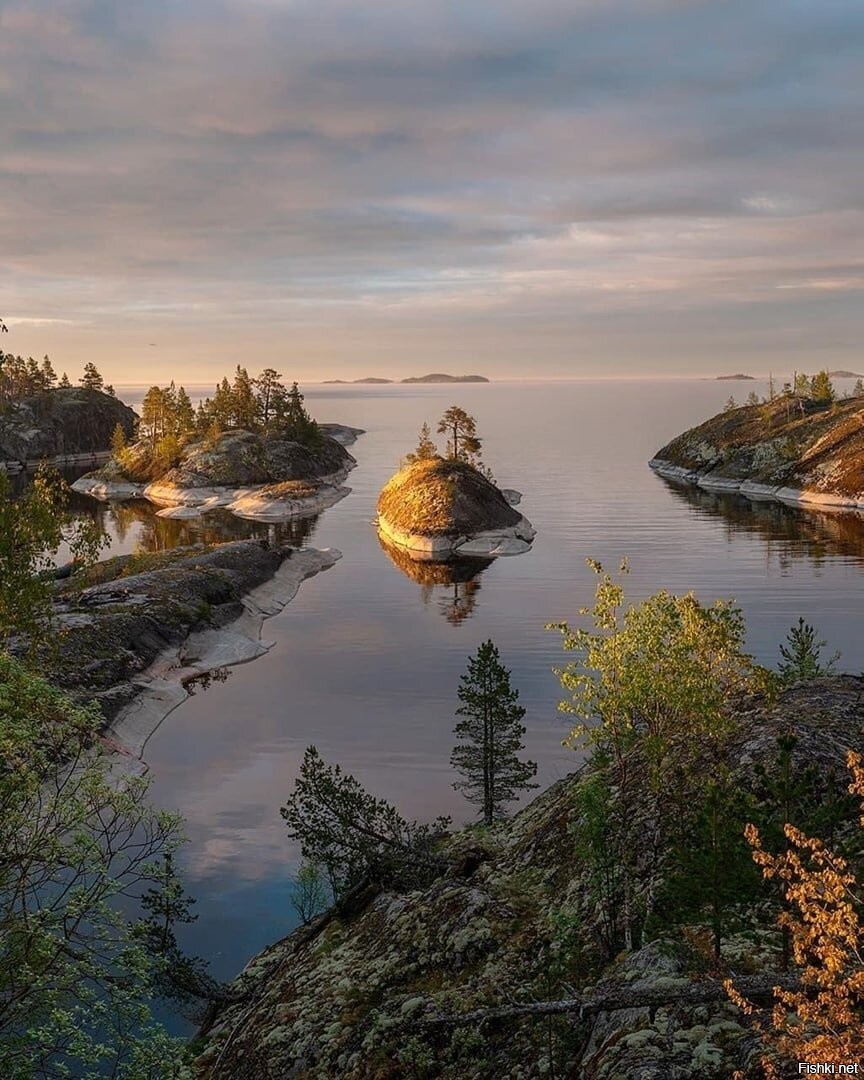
(368, 672)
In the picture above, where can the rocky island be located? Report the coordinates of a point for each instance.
(440, 507)
(284, 465)
(797, 448)
(61, 423)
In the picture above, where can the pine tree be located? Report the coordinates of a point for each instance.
(490, 736)
(184, 414)
(270, 397)
(821, 388)
(858, 388)
(64, 381)
(752, 398)
(802, 654)
(461, 429)
(731, 404)
(297, 422)
(49, 375)
(118, 439)
(91, 379)
(243, 400)
(425, 449)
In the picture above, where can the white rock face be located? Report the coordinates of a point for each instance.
(258, 506)
(805, 497)
(512, 540)
(107, 490)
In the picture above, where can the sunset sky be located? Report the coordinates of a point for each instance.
(388, 187)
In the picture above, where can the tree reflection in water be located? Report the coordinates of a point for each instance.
(789, 533)
(454, 583)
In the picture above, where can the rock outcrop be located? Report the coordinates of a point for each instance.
(444, 981)
(262, 477)
(791, 450)
(61, 422)
(176, 610)
(438, 509)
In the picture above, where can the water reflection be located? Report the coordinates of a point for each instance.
(789, 533)
(454, 584)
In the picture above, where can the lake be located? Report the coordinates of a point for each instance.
(366, 660)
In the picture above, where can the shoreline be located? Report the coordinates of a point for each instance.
(162, 685)
(799, 497)
(486, 543)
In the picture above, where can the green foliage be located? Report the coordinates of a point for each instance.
(118, 439)
(309, 895)
(425, 449)
(656, 673)
(731, 404)
(354, 836)
(91, 379)
(822, 389)
(461, 430)
(858, 388)
(802, 655)
(600, 851)
(752, 398)
(75, 841)
(32, 528)
(490, 736)
(714, 873)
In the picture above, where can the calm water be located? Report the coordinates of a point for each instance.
(366, 660)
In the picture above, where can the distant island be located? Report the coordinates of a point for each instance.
(845, 375)
(435, 377)
(738, 377)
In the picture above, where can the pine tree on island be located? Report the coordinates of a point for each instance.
(461, 429)
(490, 736)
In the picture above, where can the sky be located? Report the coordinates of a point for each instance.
(513, 188)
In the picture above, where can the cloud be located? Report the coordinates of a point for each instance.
(275, 165)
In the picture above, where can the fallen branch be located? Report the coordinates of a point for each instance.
(756, 988)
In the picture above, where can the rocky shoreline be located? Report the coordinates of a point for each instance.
(134, 630)
(268, 502)
(164, 684)
(791, 450)
(710, 481)
(451, 973)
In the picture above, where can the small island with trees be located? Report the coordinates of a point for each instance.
(435, 377)
(801, 444)
(446, 506)
(252, 448)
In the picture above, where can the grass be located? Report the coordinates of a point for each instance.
(443, 498)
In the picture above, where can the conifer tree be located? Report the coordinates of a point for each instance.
(270, 397)
(802, 654)
(49, 375)
(64, 381)
(461, 430)
(243, 402)
(425, 449)
(91, 379)
(184, 413)
(296, 420)
(858, 388)
(490, 736)
(821, 388)
(118, 439)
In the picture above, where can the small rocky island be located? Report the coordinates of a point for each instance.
(265, 466)
(437, 508)
(801, 447)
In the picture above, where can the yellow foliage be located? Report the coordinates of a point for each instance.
(821, 1022)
